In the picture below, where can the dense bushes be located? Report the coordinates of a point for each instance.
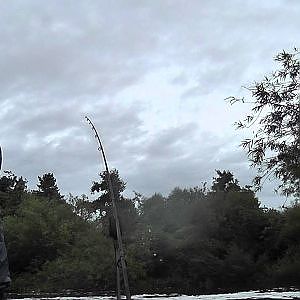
(194, 240)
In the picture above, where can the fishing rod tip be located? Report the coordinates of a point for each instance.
(88, 119)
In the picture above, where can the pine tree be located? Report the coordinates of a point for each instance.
(48, 187)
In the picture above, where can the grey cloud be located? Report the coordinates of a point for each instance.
(94, 47)
(70, 52)
(164, 167)
(171, 142)
(61, 60)
(181, 79)
(57, 139)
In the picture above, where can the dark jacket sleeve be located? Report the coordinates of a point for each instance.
(4, 270)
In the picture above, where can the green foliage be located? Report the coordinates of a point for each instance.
(126, 209)
(82, 207)
(118, 185)
(239, 268)
(39, 232)
(287, 270)
(88, 265)
(53, 247)
(153, 210)
(191, 241)
(12, 189)
(274, 147)
(290, 233)
(48, 187)
(225, 182)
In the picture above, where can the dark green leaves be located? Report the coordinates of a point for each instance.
(275, 118)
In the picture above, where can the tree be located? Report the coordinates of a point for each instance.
(12, 189)
(274, 148)
(225, 182)
(11, 183)
(48, 187)
(153, 211)
(38, 232)
(82, 207)
(51, 248)
(126, 209)
(103, 203)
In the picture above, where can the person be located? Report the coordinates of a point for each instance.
(4, 269)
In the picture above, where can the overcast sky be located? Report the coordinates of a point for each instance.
(152, 75)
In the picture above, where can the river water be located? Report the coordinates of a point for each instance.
(235, 296)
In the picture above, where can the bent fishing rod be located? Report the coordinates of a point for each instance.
(0, 158)
(115, 210)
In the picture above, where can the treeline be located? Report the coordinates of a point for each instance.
(195, 240)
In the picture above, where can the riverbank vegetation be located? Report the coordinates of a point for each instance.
(194, 240)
